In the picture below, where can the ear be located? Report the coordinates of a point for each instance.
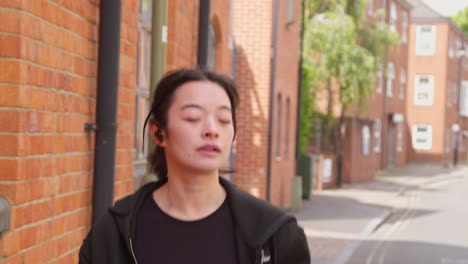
(153, 128)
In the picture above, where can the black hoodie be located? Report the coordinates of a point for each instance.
(264, 233)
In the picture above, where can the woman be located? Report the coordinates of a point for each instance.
(191, 214)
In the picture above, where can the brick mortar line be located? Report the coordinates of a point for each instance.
(48, 22)
(64, 154)
(24, 109)
(24, 250)
(76, 14)
(58, 91)
(48, 67)
(45, 134)
(58, 70)
(66, 253)
(49, 45)
(49, 219)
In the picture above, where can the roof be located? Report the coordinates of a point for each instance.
(422, 10)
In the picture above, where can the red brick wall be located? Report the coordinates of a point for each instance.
(252, 29)
(286, 83)
(435, 115)
(182, 34)
(48, 57)
(220, 19)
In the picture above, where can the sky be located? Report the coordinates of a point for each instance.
(447, 7)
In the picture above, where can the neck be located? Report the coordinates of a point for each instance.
(190, 196)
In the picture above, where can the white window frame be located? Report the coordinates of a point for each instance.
(383, 6)
(377, 130)
(429, 89)
(370, 8)
(400, 135)
(418, 136)
(455, 92)
(290, 11)
(404, 26)
(365, 133)
(451, 52)
(448, 93)
(464, 98)
(402, 83)
(390, 78)
(212, 44)
(393, 17)
(425, 41)
(379, 86)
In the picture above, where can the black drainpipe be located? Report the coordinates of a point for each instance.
(272, 94)
(203, 28)
(106, 106)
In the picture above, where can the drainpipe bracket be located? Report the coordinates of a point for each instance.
(90, 127)
(5, 209)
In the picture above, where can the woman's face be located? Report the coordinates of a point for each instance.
(200, 130)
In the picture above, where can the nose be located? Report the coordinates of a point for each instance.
(210, 129)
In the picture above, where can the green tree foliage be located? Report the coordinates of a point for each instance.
(461, 19)
(340, 43)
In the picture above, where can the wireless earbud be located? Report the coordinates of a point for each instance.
(159, 135)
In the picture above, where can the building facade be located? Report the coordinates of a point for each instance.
(49, 57)
(435, 73)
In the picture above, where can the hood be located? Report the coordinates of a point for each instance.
(255, 220)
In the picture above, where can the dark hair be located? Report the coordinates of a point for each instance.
(162, 100)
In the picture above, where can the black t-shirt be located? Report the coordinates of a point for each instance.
(162, 239)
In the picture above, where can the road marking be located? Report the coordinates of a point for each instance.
(453, 261)
(383, 244)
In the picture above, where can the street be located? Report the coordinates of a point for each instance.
(430, 227)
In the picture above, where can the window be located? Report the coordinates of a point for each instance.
(365, 140)
(278, 127)
(290, 11)
(393, 17)
(424, 90)
(422, 136)
(459, 45)
(449, 93)
(370, 8)
(383, 5)
(286, 130)
(399, 146)
(451, 51)
(211, 56)
(379, 86)
(402, 83)
(390, 78)
(142, 104)
(425, 40)
(447, 139)
(464, 99)
(404, 27)
(377, 132)
(455, 93)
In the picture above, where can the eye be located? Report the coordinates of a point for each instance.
(225, 121)
(192, 119)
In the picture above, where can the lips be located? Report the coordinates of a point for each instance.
(210, 148)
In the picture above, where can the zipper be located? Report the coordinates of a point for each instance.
(131, 250)
(260, 252)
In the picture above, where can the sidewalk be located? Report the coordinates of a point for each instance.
(337, 221)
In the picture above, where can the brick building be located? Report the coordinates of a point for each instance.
(463, 60)
(267, 37)
(378, 139)
(49, 60)
(435, 73)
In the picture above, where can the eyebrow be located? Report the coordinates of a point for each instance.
(222, 107)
